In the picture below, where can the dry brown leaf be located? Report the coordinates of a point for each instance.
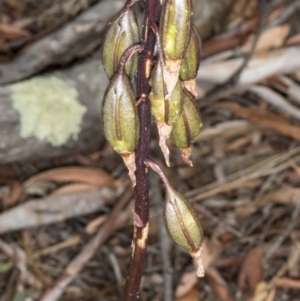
(11, 199)
(276, 100)
(251, 271)
(55, 209)
(11, 32)
(242, 10)
(284, 195)
(288, 283)
(273, 37)
(293, 40)
(88, 175)
(228, 40)
(238, 143)
(92, 226)
(210, 251)
(218, 44)
(74, 188)
(265, 119)
(192, 295)
(261, 66)
(187, 282)
(218, 284)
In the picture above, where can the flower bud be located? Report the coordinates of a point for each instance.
(122, 32)
(165, 111)
(191, 62)
(181, 220)
(187, 127)
(121, 120)
(175, 27)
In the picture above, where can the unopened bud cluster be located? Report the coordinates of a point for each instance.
(119, 112)
(173, 79)
(172, 99)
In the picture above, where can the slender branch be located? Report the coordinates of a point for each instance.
(127, 55)
(141, 208)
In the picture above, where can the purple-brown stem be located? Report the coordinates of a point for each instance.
(141, 207)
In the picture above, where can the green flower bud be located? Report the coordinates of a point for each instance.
(181, 220)
(122, 32)
(121, 120)
(187, 127)
(183, 225)
(165, 111)
(175, 25)
(174, 32)
(191, 61)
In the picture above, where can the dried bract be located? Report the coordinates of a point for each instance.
(165, 111)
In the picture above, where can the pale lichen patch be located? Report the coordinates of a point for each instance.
(49, 109)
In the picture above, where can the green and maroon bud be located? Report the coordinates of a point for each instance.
(175, 26)
(181, 220)
(174, 32)
(123, 32)
(121, 120)
(165, 111)
(191, 62)
(187, 127)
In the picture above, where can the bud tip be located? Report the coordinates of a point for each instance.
(185, 155)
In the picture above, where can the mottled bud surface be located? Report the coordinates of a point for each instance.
(175, 25)
(187, 127)
(120, 116)
(182, 222)
(191, 60)
(122, 33)
(164, 110)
